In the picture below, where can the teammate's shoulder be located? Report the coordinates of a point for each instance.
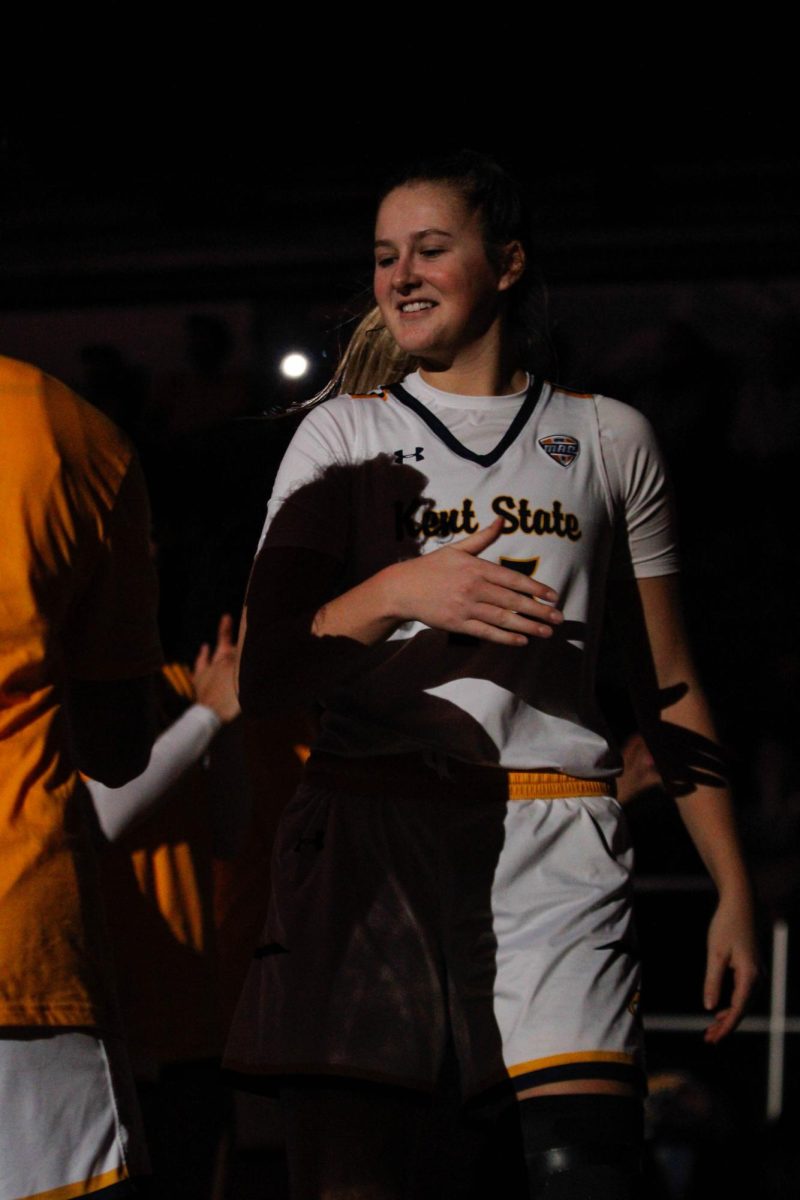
(44, 412)
(17, 374)
(27, 391)
(23, 379)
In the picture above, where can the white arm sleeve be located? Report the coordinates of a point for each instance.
(179, 747)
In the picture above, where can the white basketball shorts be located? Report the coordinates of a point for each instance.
(69, 1123)
(408, 909)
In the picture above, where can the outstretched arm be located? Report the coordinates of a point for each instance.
(121, 808)
(675, 719)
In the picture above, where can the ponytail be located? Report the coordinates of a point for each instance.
(371, 359)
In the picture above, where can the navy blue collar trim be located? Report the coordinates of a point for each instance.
(441, 430)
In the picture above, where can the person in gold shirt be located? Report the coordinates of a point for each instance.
(78, 646)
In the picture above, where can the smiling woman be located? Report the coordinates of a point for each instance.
(451, 882)
(437, 291)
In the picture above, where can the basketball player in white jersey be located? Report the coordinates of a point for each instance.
(450, 884)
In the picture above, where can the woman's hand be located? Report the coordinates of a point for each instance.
(731, 945)
(453, 588)
(214, 674)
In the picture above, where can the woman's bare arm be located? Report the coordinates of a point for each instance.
(299, 637)
(675, 719)
(452, 588)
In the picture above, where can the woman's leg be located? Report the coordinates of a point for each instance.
(582, 1140)
(566, 996)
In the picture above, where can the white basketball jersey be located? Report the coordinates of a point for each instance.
(580, 485)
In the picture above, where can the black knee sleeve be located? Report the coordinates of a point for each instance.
(584, 1146)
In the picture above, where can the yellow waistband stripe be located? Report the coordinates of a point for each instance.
(84, 1188)
(401, 774)
(546, 785)
(579, 1056)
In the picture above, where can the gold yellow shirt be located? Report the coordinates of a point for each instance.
(77, 599)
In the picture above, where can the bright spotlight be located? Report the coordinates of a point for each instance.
(294, 366)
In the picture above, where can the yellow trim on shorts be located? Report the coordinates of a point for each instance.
(579, 1056)
(83, 1188)
(547, 785)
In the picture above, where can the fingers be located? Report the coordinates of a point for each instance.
(745, 977)
(506, 600)
(203, 658)
(725, 1021)
(509, 604)
(512, 621)
(513, 590)
(476, 542)
(455, 589)
(520, 604)
(712, 985)
(493, 633)
(225, 647)
(225, 631)
(520, 585)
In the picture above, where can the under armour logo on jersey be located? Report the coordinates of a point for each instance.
(416, 454)
(561, 447)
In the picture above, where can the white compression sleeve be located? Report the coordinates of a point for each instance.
(178, 748)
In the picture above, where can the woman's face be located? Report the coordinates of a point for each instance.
(437, 292)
